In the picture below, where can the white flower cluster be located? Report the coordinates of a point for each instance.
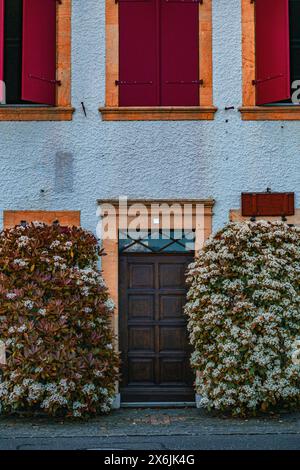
(28, 304)
(64, 246)
(20, 262)
(86, 279)
(11, 295)
(244, 316)
(54, 244)
(110, 305)
(22, 241)
(54, 394)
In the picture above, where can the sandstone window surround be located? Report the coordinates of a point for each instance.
(250, 110)
(112, 110)
(110, 262)
(62, 111)
(11, 218)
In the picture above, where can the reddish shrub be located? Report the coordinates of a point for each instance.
(55, 317)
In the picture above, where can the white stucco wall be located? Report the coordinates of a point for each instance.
(146, 159)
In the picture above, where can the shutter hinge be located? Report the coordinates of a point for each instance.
(192, 1)
(262, 80)
(182, 82)
(188, 1)
(134, 82)
(54, 82)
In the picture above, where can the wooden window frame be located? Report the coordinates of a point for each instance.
(112, 112)
(249, 110)
(13, 218)
(63, 110)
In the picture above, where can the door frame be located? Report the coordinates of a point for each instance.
(200, 211)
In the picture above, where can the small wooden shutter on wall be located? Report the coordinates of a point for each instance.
(268, 204)
(1, 48)
(39, 51)
(272, 51)
(179, 53)
(138, 53)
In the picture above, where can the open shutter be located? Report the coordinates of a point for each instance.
(180, 53)
(138, 53)
(1, 49)
(272, 51)
(39, 51)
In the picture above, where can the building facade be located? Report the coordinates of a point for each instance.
(228, 141)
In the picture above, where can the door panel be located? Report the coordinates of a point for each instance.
(171, 307)
(141, 338)
(172, 275)
(141, 307)
(153, 334)
(141, 275)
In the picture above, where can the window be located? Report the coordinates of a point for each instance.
(35, 59)
(295, 39)
(159, 63)
(271, 59)
(160, 241)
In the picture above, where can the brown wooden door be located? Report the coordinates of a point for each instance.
(152, 328)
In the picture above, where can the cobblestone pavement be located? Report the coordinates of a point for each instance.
(151, 428)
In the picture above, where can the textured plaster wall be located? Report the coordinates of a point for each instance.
(61, 166)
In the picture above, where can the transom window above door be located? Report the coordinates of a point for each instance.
(159, 241)
(158, 56)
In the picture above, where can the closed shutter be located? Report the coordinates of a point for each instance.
(180, 53)
(138, 53)
(268, 204)
(1, 48)
(39, 51)
(272, 51)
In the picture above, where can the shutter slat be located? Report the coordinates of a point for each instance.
(272, 51)
(39, 51)
(180, 53)
(138, 53)
(1, 48)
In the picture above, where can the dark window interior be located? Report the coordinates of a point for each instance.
(13, 51)
(294, 8)
(295, 39)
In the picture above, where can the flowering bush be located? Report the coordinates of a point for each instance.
(55, 321)
(244, 318)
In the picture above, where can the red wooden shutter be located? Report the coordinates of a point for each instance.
(138, 53)
(39, 51)
(272, 51)
(268, 204)
(179, 53)
(1, 48)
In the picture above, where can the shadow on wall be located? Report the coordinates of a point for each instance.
(64, 172)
